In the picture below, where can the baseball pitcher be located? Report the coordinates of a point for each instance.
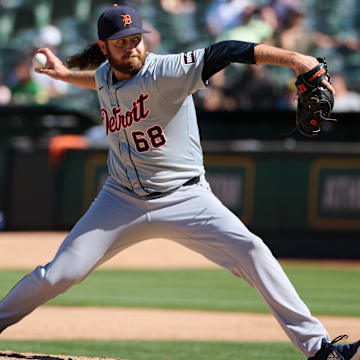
(156, 185)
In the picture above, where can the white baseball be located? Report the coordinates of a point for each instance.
(39, 61)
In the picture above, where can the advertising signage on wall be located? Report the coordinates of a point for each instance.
(232, 180)
(334, 194)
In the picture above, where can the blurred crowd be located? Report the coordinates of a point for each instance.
(329, 29)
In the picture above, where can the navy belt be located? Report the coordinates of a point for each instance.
(192, 181)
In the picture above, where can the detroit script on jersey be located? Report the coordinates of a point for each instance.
(150, 122)
(121, 119)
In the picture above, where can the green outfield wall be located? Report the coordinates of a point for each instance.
(267, 190)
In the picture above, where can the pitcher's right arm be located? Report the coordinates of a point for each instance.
(57, 70)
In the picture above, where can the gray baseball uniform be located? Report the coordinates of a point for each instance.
(157, 188)
(151, 123)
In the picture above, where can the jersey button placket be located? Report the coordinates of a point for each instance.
(113, 97)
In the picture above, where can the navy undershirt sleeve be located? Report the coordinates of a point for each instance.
(223, 53)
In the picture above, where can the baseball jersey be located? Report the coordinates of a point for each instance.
(151, 124)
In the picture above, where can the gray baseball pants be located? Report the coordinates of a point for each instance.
(191, 216)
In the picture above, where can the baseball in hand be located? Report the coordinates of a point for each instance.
(39, 61)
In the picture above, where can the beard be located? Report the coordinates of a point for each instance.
(133, 64)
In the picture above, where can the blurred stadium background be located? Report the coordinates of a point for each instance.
(301, 195)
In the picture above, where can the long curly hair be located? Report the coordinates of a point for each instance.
(90, 58)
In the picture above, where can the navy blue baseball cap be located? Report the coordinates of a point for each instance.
(118, 22)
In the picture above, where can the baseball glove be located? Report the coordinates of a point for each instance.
(315, 102)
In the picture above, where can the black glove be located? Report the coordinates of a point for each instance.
(315, 102)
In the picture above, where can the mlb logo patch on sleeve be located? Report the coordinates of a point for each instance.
(189, 58)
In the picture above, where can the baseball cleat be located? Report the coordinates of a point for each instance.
(330, 351)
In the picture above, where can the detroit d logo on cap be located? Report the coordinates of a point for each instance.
(126, 19)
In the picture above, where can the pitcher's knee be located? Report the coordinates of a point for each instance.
(245, 254)
(251, 247)
(54, 282)
(259, 246)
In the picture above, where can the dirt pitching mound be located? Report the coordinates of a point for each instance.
(10, 355)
